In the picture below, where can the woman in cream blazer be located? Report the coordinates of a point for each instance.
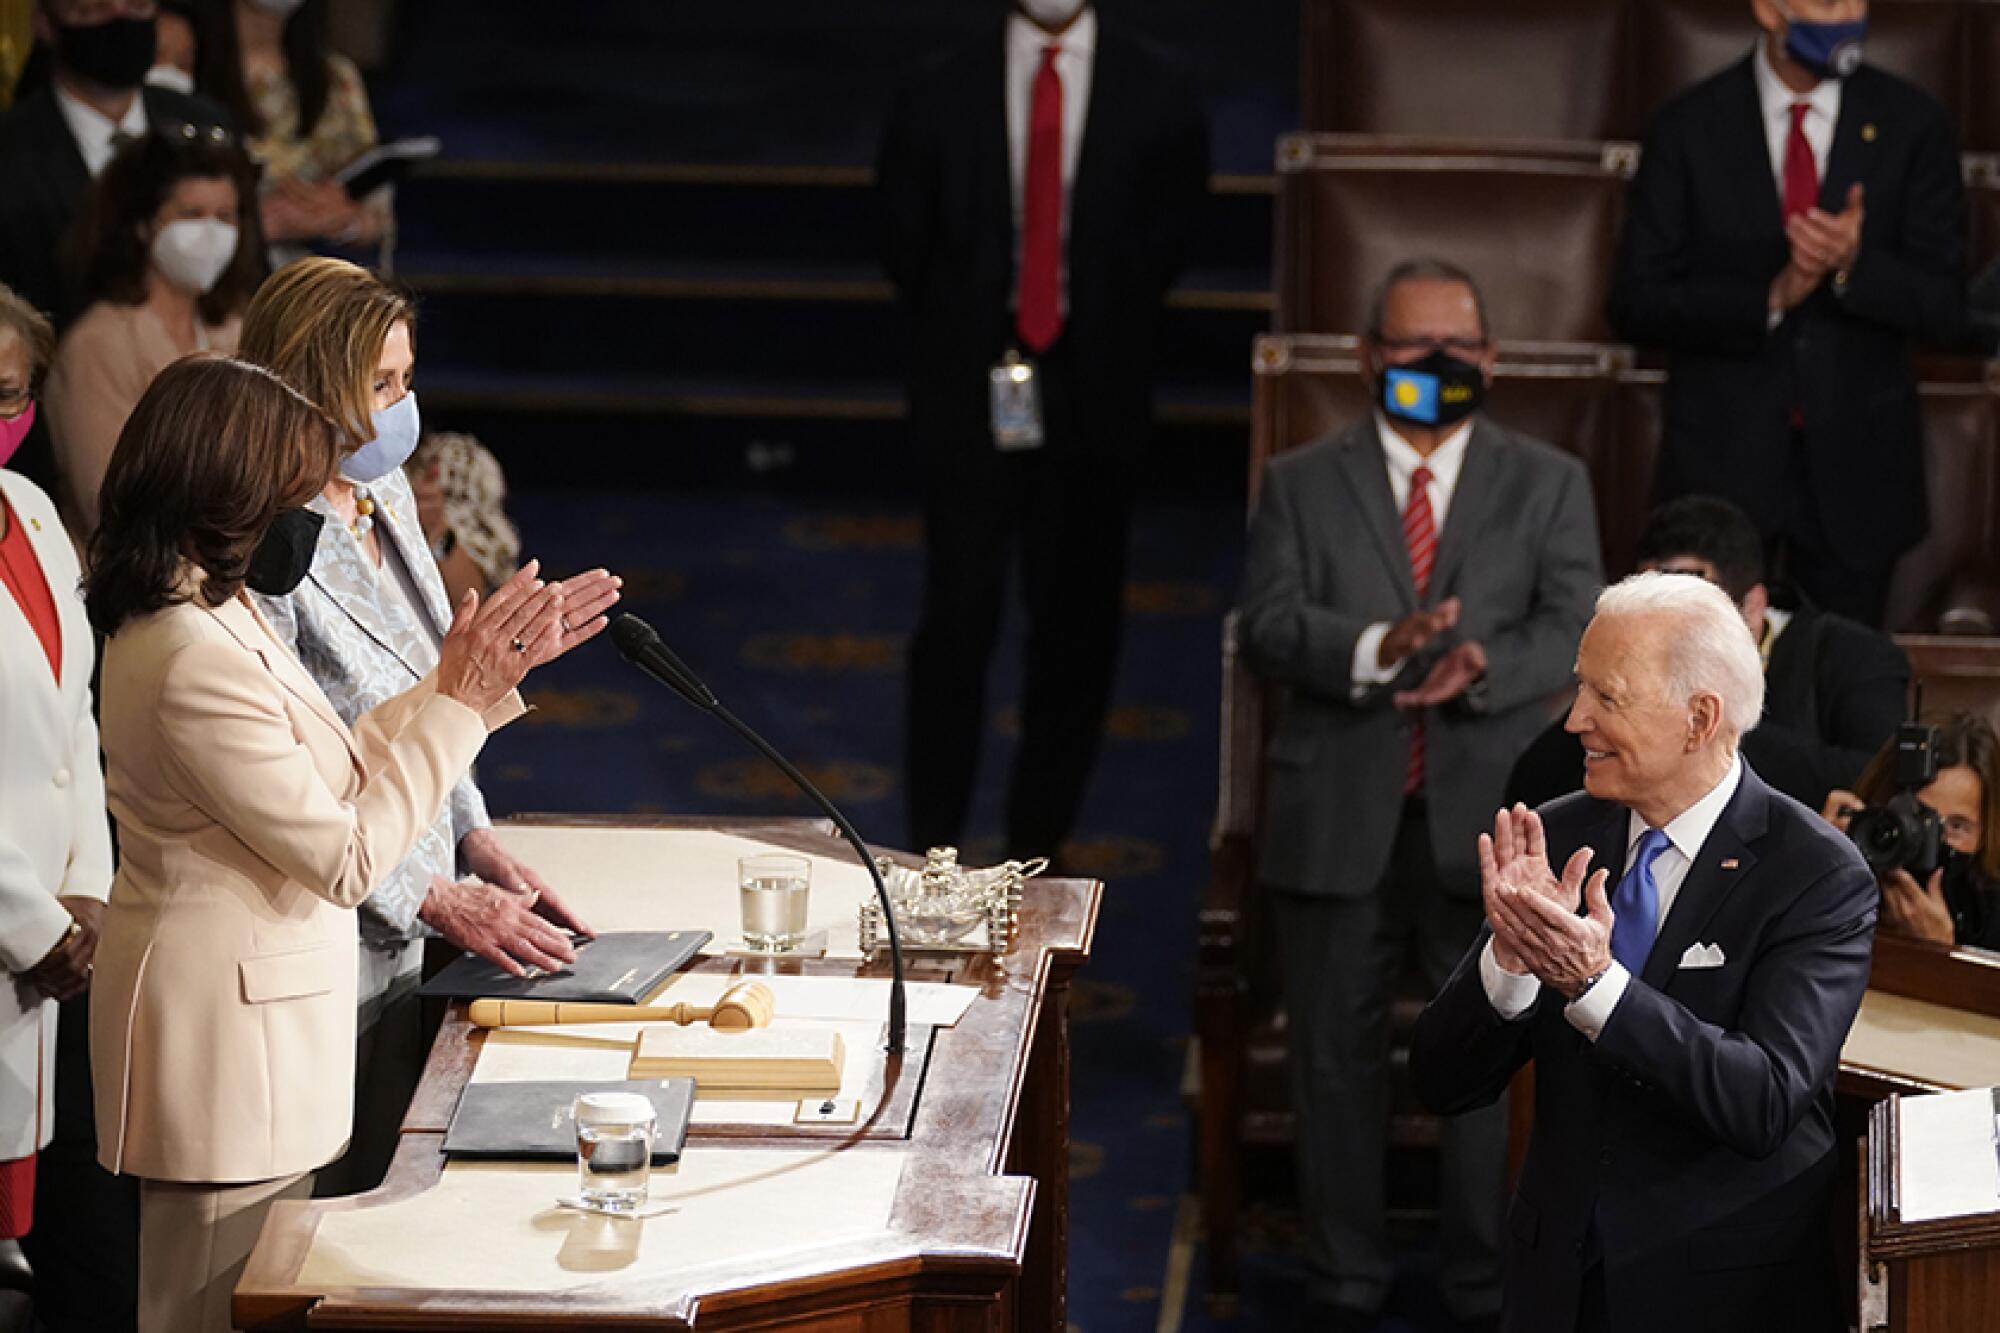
(251, 820)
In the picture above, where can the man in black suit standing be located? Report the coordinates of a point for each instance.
(1686, 1026)
(1796, 225)
(58, 137)
(1834, 690)
(1038, 192)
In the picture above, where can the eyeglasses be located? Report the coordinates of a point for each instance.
(1425, 346)
(1960, 828)
(13, 402)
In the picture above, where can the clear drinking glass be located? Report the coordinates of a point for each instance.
(614, 1149)
(773, 890)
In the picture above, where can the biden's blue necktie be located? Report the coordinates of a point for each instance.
(1635, 904)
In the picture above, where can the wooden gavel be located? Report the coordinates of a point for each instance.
(745, 1005)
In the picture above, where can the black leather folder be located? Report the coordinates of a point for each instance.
(622, 967)
(531, 1122)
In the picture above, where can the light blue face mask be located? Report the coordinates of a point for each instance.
(397, 429)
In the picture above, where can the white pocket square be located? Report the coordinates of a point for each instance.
(1702, 955)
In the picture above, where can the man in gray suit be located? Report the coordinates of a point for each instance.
(1418, 582)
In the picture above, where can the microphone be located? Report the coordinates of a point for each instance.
(640, 644)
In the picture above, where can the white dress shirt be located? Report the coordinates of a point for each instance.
(1776, 100)
(93, 130)
(1025, 43)
(1445, 463)
(1513, 995)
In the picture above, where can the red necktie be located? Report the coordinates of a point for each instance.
(1801, 176)
(1038, 313)
(1801, 193)
(1420, 539)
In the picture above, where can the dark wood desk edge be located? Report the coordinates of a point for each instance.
(1958, 978)
(997, 1253)
(1955, 978)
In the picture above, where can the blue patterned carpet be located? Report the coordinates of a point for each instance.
(795, 608)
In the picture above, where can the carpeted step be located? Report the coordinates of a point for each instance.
(719, 344)
(781, 81)
(633, 220)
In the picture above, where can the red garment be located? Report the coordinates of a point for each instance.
(1801, 193)
(22, 573)
(1801, 176)
(1038, 313)
(17, 1197)
(1420, 538)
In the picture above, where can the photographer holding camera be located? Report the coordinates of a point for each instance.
(1920, 816)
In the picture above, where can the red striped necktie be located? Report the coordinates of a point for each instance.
(1420, 539)
(1038, 303)
(1801, 174)
(1801, 193)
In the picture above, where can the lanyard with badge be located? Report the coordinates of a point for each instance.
(1015, 391)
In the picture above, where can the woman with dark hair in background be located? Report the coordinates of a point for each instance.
(166, 256)
(1959, 902)
(251, 819)
(305, 114)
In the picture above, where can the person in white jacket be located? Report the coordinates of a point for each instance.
(55, 841)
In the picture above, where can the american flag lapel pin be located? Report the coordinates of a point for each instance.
(1731, 864)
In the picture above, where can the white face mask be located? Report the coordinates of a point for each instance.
(1052, 13)
(194, 253)
(171, 77)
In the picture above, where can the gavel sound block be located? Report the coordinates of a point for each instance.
(745, 1005)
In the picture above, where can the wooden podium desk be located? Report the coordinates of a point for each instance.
(1930, 1220)
(1929, 1022)
(963, 1149)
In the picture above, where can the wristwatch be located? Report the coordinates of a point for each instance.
(1588, 982)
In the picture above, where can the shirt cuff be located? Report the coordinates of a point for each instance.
(1510, 995)
(1589, 1012)
(1772, 319)
(1367, 669)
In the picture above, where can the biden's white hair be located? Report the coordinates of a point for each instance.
(1707, 649)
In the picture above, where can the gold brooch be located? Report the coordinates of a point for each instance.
(1868, 134)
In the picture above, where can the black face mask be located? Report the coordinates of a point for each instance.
(280, 562)
(1438, 390)
(113, 54)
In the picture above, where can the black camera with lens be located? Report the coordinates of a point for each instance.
(1903, 833)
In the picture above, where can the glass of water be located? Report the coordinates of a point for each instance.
(614, 1149)
(773, 890)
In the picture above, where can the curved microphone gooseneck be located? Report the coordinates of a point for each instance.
(641, 645)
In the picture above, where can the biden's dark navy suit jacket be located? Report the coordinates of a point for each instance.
(1691, 1147)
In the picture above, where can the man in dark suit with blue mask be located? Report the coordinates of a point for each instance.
(1795, 230)
(1683, 987)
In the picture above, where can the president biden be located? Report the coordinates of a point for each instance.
(1683, 985)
